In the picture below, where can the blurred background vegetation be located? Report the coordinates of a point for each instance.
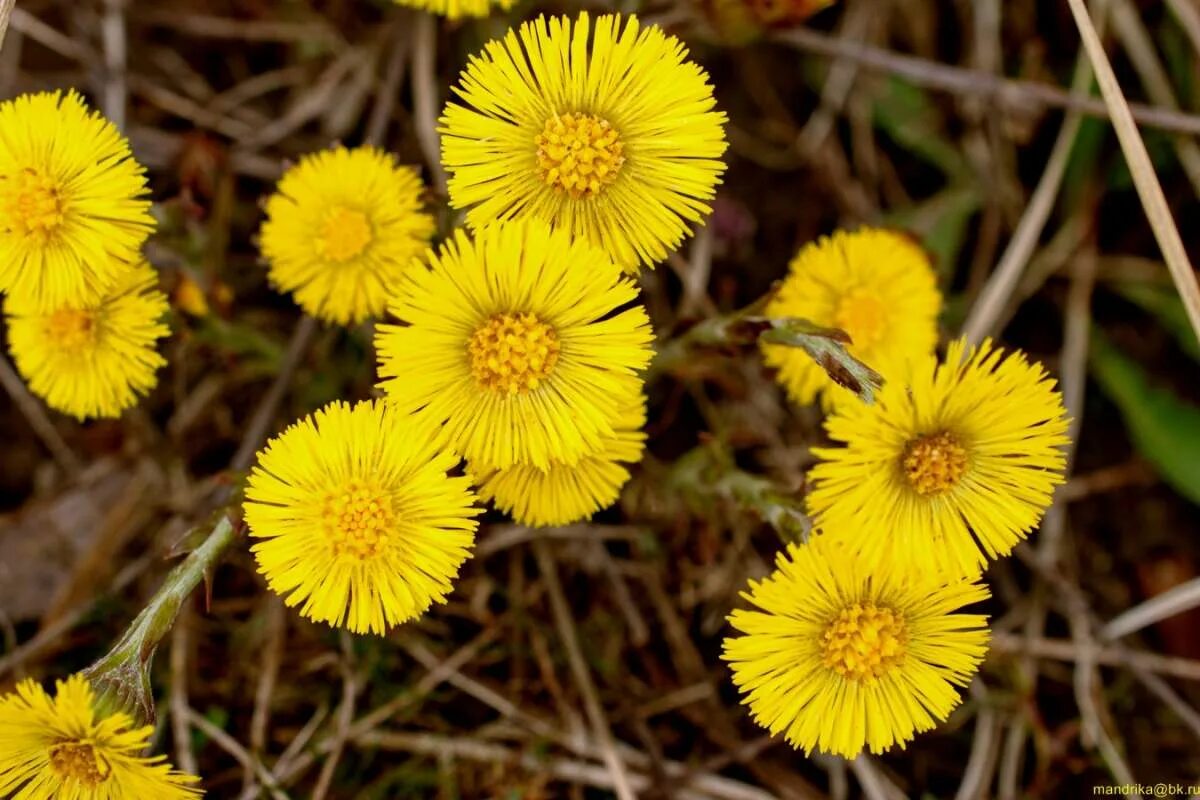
(948, 118)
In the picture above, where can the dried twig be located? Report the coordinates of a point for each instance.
(185, 757)
(579, 668)
(425, 95)
(1177, 600)
(1141, 168)
(1111, 655)
(116, 90)
(6, 9)
(36, 415)
(990, 304)
(239, 753)
(259, 425)
(1001, 92)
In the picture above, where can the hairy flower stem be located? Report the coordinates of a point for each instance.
(121, 679)
(826, 346)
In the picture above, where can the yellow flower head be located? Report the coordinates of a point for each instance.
(876, 285)
(456, 9)
(837, 657)
(359, 523)
(93, 358)
(520, 340)
(561, 494)
(68, 748)
(949, 471)
(607, 131)
(71, 201)
(341, 229)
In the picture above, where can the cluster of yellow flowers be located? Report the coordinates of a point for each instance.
(580, 150)
(853, 642)
(82, 306)
(516, 346)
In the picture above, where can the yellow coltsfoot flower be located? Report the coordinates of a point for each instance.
(947, 471)
(71, 200)
(878, 286)
(562, 494)
(341, 229)
(457, 9)
(357, 521)
(68, 747)
(839, 658)
(605, 130)
(93, 358)
(525, 342)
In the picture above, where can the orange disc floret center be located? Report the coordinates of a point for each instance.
(79, 761)
(579, 154)
(345, 234)
(934, 463)
(513, 353)
(31, 203)
(358, 519)
(863, 315)
(71, 329)
(864, 642)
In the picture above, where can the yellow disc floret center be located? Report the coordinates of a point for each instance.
(31, 203)
(77, 760)
(579, 154)
(344, 234)
(934, 463)
(864, 642)
(358, 519)
(513, 353)
(863, 315)
(71, 329)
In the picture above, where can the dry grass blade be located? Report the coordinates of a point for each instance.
(595, 712)
(1144, 178)
(6, 9)
(1176, 601)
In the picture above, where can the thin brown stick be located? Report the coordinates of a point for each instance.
(1141, 168)
(239, 753)
(1163, 691)
(1111, 656)
(990, 305)
(6, 9)
(393, 76)
(260, 719)
(999, 92)
(1177, 600)
(580, 744)
(36, 415)
(563, 769)
(260, 424)
(425, 95)
(185, 758)
(345, 717)
(579, 668)
(112, 35)
(1139, 45)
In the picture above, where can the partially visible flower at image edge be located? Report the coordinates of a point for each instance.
(355, 518)
(947, 470)
(457, 9)
(561, 493)
(341, 228)
(603, 129)
(93, 358)
(878, 286)
(839, 658)
(525, 342)
(72, 201)
(66, 747)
